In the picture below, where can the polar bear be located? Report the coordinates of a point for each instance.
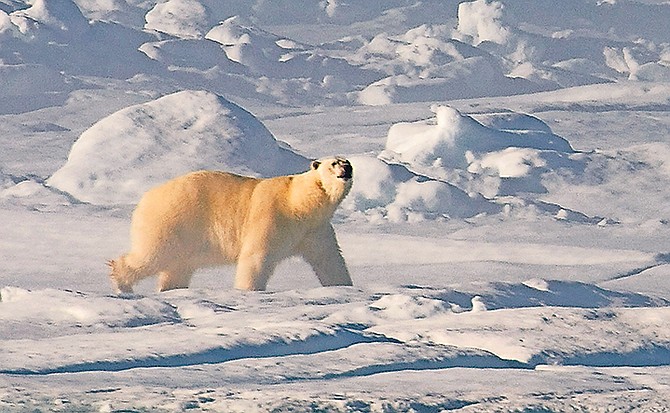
(210, 218)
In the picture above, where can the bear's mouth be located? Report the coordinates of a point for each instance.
(346, 173)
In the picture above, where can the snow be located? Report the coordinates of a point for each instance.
(455, 137)
(391, 192)
(180, 18)
(480, 20)
(507, 229)
(123, 155)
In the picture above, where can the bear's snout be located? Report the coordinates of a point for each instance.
(346, 170)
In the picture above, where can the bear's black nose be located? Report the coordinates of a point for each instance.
(347, 171)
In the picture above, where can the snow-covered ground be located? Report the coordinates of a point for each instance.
(508, 231)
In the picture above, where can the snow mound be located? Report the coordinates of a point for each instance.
(30, 192)
(481, 21)
(277, 57)
(405, 307)
(126, 153)
(58, 36)
(427, 64)
(54, 17)
(516, 160)
(383, 191)
(34, 195)
(180, 18)
(454, 140)
(423, 51)
(455, 166)
(237, 57)
(243, 43)
(479, 48)
(55, 311)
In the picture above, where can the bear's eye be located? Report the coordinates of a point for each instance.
(334, 163)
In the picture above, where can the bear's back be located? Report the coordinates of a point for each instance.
(197, 189)
(203, 212)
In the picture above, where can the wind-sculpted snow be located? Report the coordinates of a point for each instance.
(453, 166)
(49, 313)
(391, 192)
(508, 158)
(517, 160)
(454, 140)
(411, 327)
(314, 337)
(485, 49)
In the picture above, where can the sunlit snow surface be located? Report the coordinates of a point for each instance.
(507, 230)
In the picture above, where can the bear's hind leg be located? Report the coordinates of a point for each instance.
(173, 279)
(124, 275)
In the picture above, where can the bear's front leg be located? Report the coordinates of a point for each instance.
(322, 253)
(254, 269)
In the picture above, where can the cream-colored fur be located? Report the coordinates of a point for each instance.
(211, 218)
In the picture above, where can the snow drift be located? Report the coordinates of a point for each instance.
(422, 328)
(383, 191)
(428, 64)
(516, 159)
(510, 156)
(480, 48)
(123, 155)
(454, 139)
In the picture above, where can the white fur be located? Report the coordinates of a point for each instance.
(211, 218)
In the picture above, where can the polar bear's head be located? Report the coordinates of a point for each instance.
(336, 176)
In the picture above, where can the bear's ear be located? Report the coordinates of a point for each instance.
(315, 164)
